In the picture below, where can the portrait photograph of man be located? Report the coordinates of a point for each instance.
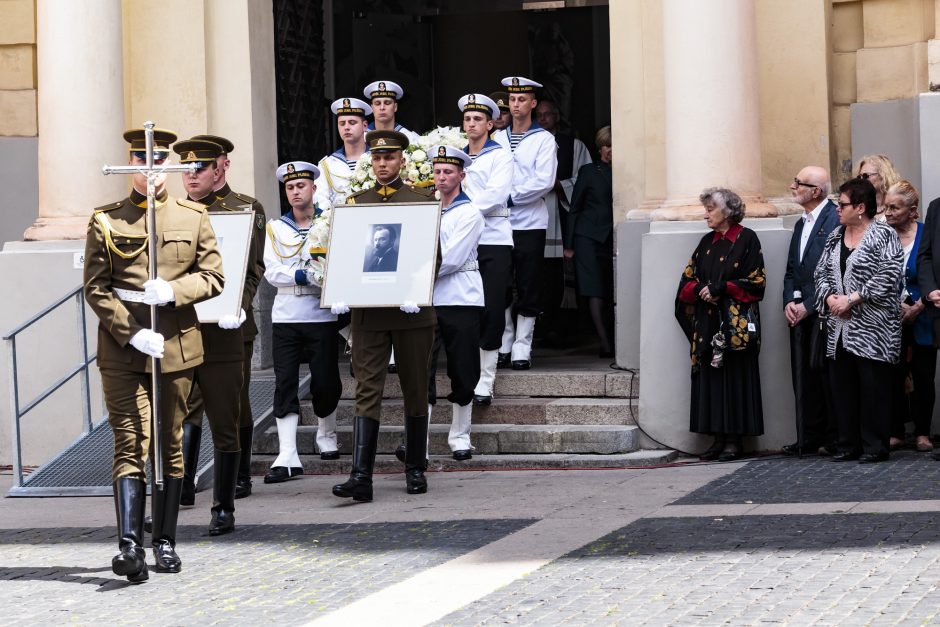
(381, 254)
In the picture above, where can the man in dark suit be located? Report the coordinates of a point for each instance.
(814, 425)
(928, 271)
(383, 256)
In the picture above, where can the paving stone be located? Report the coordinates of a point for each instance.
(820, 480)
(261, 574)
(729, 571)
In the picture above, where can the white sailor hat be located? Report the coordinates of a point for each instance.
(383, 89)
(479, 102)
(350, 106)
(297, 170)
(451, 155)
(520, 84)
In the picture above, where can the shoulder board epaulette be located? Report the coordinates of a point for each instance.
(351, 199)
(191, 204)
(110, 207)
(245, 198)
(424, 192)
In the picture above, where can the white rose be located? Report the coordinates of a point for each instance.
(425, 168)
(419, 155)
(413, 174)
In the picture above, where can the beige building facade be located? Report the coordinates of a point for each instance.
(740, 93)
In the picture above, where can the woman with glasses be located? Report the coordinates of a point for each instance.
(913, 394)
(717, 309)
(857, 280)
(879, 171)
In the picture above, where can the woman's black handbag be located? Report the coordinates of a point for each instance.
(818, 341)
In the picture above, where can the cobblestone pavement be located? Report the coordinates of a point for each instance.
(293, 572)
(907, 476)
(744, 570)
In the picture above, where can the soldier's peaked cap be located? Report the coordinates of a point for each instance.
(197, 150)
(501, 98)
(297, 170)
(161, 139)
(227, 145)
(386, 141)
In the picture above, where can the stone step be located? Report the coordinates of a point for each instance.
(487, 439)
(553, 381)
(313, 465)
(519, 411)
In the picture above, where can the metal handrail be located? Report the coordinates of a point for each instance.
(77, 295)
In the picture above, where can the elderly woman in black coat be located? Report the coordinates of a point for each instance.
(717, 308)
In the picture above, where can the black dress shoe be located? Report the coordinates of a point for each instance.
(730, 456)
(873, 458)
(167, 561)
(846, 457)
(827, 450)
(479, 399)
(392, 368)
(462, 456)
(415, 481)
(280, 474)
(521, 364)
(328, 455)
(791, 450)
(503, 360)
(400, 452)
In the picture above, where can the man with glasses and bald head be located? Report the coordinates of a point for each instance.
(814, 426)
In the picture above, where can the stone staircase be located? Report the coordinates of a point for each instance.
(568, 412)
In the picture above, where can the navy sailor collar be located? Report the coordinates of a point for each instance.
(288, 218)
(489, 146)
(535, 128)
(341, 153)
(459, 199)
(371, 126)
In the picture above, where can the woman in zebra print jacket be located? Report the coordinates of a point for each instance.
(857, 286)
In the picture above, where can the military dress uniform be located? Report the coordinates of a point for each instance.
(219, 382)
(458, 302)
(336, 169)
(375, 331)
(488, 183)
(302, 331)
(116, 268)
(534, 155)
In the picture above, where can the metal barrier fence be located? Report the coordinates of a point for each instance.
(18, 409)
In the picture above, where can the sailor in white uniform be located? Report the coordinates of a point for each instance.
(458, 294)
(337, 168)
(302, 331)
(533, 149)
(384, 97)
(489, 183)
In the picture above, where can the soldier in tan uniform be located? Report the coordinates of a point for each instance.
(117, 287)
(210, 188)
(219, 382)
(375, 332)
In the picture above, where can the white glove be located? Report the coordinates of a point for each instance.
(148, 343)
(231, 321)
(158, 292)
(338, 309)
(409, 306)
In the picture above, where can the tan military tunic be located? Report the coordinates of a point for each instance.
(220, 388)
(376, 331)
(116, 257)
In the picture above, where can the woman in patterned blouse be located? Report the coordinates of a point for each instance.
(857, 286)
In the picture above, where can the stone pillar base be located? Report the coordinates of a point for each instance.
(689, 209)
(64, 228)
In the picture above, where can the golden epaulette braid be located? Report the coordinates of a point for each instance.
(191, 204)
(107, 232)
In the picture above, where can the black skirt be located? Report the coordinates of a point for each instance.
(594, 267)
(728, 399)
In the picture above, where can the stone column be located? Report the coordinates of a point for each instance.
(711, 107)
(80, 112)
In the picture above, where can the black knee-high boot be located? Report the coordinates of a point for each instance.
(165, 508)
(243, 483)
(223, 493)
(192, 440)
(416, 456)
(129, 504)
(366, 439)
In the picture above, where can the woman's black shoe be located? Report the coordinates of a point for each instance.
(873, 458)
(730, 456)
(713, 451)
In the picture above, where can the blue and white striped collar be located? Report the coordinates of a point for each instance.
(288, 218)
(371, 127)
(341, 153)
(459, 199)
(489, 146)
